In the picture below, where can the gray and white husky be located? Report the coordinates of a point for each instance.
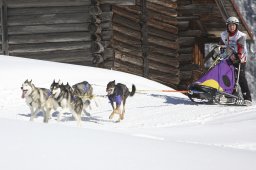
(85, 91)
(35, 98)
(67, 101)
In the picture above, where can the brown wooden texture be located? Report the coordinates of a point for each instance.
(162, 40)
(45, 3)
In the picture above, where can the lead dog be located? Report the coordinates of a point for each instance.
(35, 98)
(118, 93)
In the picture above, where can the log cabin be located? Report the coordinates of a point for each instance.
(162, 40)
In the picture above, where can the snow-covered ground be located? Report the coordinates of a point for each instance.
(160, 130)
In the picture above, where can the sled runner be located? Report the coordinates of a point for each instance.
(219, 85)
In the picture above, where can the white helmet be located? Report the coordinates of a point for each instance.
(232, 20)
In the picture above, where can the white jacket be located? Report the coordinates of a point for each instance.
(237, 42)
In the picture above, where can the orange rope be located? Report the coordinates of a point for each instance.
(179, 91)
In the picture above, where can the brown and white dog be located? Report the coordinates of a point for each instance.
(117, 94)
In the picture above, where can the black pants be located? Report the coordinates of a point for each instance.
(243, 82)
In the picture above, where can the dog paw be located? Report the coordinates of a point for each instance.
(112, 115)
(118, 121)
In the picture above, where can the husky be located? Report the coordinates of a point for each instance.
(67, 101)
(118, 93)
(85, 91)
(35, 98)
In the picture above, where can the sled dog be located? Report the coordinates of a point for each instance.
(118, 93)
(67, 101)
(85, 91)
(35, 98)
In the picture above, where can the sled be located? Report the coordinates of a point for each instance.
(219, 85)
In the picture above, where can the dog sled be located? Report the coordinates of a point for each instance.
(219, 85)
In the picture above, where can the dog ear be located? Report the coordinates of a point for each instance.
(30, 81)
(60, 82)
(114, 81)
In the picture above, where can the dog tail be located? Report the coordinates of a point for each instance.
(133, 90)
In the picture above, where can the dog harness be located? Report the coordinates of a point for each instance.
(49, 92)
(117, 99)
(86, 87)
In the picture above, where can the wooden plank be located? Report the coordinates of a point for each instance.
(20, 48)
(106, 25)
(47, 28)
(160, 50)
(127, 31)
(128, 68)
(165, 3)
(185, 58)
(164, 59)
(106, 16)
(118, 2)
(196, 9)
(162, 18)
(53, 37)
(48, 19)
(48, 10)
(126, 22)
(52, 54)
(189, 67)
(162, 9)
(163, 68)
(127, 39)
(190, 33)
(108, 54)
(106, 35)
(162, 26)
(186, 50)
(127, 48)
(163, 42)
(168, 79)
(186, 41)
(58, 55)
(127, 58)
(46, 3)
(188, 18)
(162, 34)
(183, 25)
(127, 13)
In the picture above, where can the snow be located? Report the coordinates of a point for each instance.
(161, 130)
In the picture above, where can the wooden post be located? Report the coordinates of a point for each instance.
(144, 36)
(4, 27)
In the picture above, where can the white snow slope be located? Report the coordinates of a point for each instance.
(160, 131)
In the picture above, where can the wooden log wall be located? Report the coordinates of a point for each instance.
(101, 34)
(190, 51)
(150, 38)
(145, 40)
(55, 30)
(2, 22)
(1, 28)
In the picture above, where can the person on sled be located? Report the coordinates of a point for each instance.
(235, 39)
